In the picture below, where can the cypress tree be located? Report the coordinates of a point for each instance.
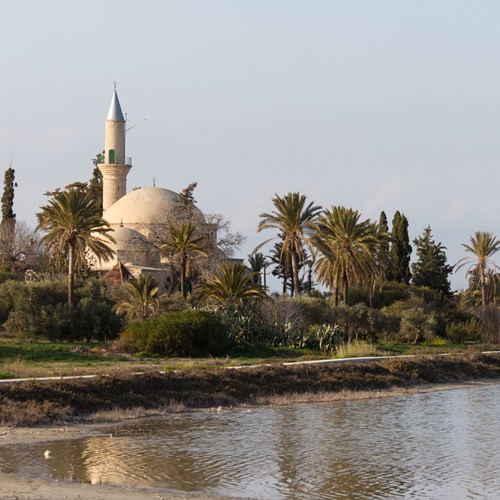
(95, 184)
(8, 224)
(8, 196)
(431, 269)
(400, 250)
(384, 246)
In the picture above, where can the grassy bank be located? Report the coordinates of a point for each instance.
(32, 403)
(47, 359)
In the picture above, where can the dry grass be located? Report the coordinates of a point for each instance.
(18, 368)
(321, 397)
(120, 414)
(358, 349)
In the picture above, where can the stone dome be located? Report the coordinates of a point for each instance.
(143, 207)
(130, 249)
(124, 237)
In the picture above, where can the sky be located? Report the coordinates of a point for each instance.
(373, 105)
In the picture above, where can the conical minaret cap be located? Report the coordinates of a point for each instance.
(115, 110)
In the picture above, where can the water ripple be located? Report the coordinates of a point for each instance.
(435, 445)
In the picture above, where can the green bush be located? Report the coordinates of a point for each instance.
(189, 333)
(389, 293)
(417, 325)
(325, 337)
(11, 293)
(314, 310)
(464, 331)
(411, 320)
(40, 310)
(296, 322)
(5, 274)
(135, 336)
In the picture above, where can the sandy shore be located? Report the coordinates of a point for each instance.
(13, 487)
(17, 488)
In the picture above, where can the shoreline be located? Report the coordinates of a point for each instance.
(57, 403)
(97, 425)
(18, 487)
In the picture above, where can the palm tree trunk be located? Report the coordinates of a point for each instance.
(345, 288)
(71, 273)
(483, 289)
(183, 276)
(335, 292)
(295, 273)
(345, 291)
(371, 290)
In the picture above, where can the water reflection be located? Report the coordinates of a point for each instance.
(436, 445)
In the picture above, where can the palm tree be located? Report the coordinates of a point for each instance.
(483, 245)
(137, 298)
(471, 299)
(258, 264)
(347, 247)
(283, 269)
(73, 224)
(294, 221)
(184, 244)
(231, 286)
(381, 255)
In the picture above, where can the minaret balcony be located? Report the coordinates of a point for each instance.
(119, 160)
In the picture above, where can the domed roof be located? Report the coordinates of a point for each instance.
(143, 207)
(123, 236)
(130, 250)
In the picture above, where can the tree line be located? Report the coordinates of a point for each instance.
(360, 262)
(344, 250)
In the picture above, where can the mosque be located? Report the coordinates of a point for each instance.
(135, 216)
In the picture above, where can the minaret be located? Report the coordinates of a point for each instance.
(116, 166)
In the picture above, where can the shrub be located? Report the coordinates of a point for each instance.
(296, 322)
(410, 320)
(490, 317)
(93, 318)
(324, 337)
(290, 322)
(11, 293)
(5, 274)
(353, 321)
(314, 310)
(173, 302)
(135, 336)
(25, 323)
(464, 331)
(188, 333)
(283, 313)
(436, 342)
(417, 325)
(40, 309)
(389, 293)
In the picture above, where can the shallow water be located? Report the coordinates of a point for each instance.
(435, 445)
